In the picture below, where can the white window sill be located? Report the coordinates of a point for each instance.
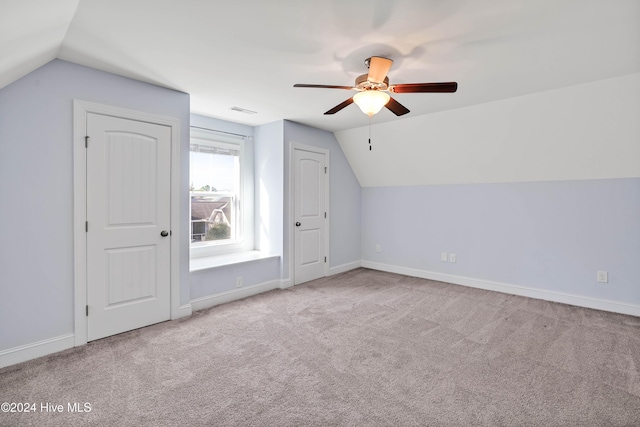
(207, 262)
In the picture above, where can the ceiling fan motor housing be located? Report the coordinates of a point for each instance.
(362, 83)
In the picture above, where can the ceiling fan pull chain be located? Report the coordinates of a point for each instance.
(369, 133)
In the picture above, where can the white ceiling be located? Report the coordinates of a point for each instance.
(250, 53)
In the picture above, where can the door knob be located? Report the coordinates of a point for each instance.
(298, 224)
(164, 233)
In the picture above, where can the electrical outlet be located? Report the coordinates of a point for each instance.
(602, 277)
(443, 256)
(378, 248)
(453, 258)
(239, 282)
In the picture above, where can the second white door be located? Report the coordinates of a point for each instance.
(309, 216)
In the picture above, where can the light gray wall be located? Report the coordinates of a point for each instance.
(210, 282)
(269, 186)
(220, 125)
(36, 190)
(344, 195)
(552, 235)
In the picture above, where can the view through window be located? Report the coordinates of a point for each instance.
(215, 190)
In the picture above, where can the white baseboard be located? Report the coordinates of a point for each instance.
(342, 268)
(286, 283)
(577, 300)
(184, 311)
(37, 349)
(234, 294)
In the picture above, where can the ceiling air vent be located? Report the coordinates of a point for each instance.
(243, 110)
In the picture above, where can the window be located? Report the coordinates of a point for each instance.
(221, 193)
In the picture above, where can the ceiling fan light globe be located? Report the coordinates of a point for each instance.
(371, 101)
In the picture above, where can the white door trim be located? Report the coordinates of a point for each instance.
(327, 191)
(80, 111)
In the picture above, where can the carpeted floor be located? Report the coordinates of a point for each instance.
(363, 348)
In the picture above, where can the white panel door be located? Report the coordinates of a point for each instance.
(128, 213)
(309, 216)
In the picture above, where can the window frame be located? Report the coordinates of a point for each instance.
(244, 216)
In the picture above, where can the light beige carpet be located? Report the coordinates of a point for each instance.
(363, 348)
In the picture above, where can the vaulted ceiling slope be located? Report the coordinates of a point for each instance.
(250, 53)
(31, 34)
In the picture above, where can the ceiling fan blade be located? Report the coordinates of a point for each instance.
(396, 108)
(323, 86)
(446, 87)
(340, 106)
(378, 69)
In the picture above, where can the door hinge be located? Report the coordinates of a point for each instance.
(325, 259)
(86, 226)
(86, 141)
(325, 169)
(325, 214)
(87, 310)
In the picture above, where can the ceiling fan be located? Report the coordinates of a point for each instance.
(373, 87)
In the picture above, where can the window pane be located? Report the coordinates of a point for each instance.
(214, 172)
(215, 179)
(212, 217)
